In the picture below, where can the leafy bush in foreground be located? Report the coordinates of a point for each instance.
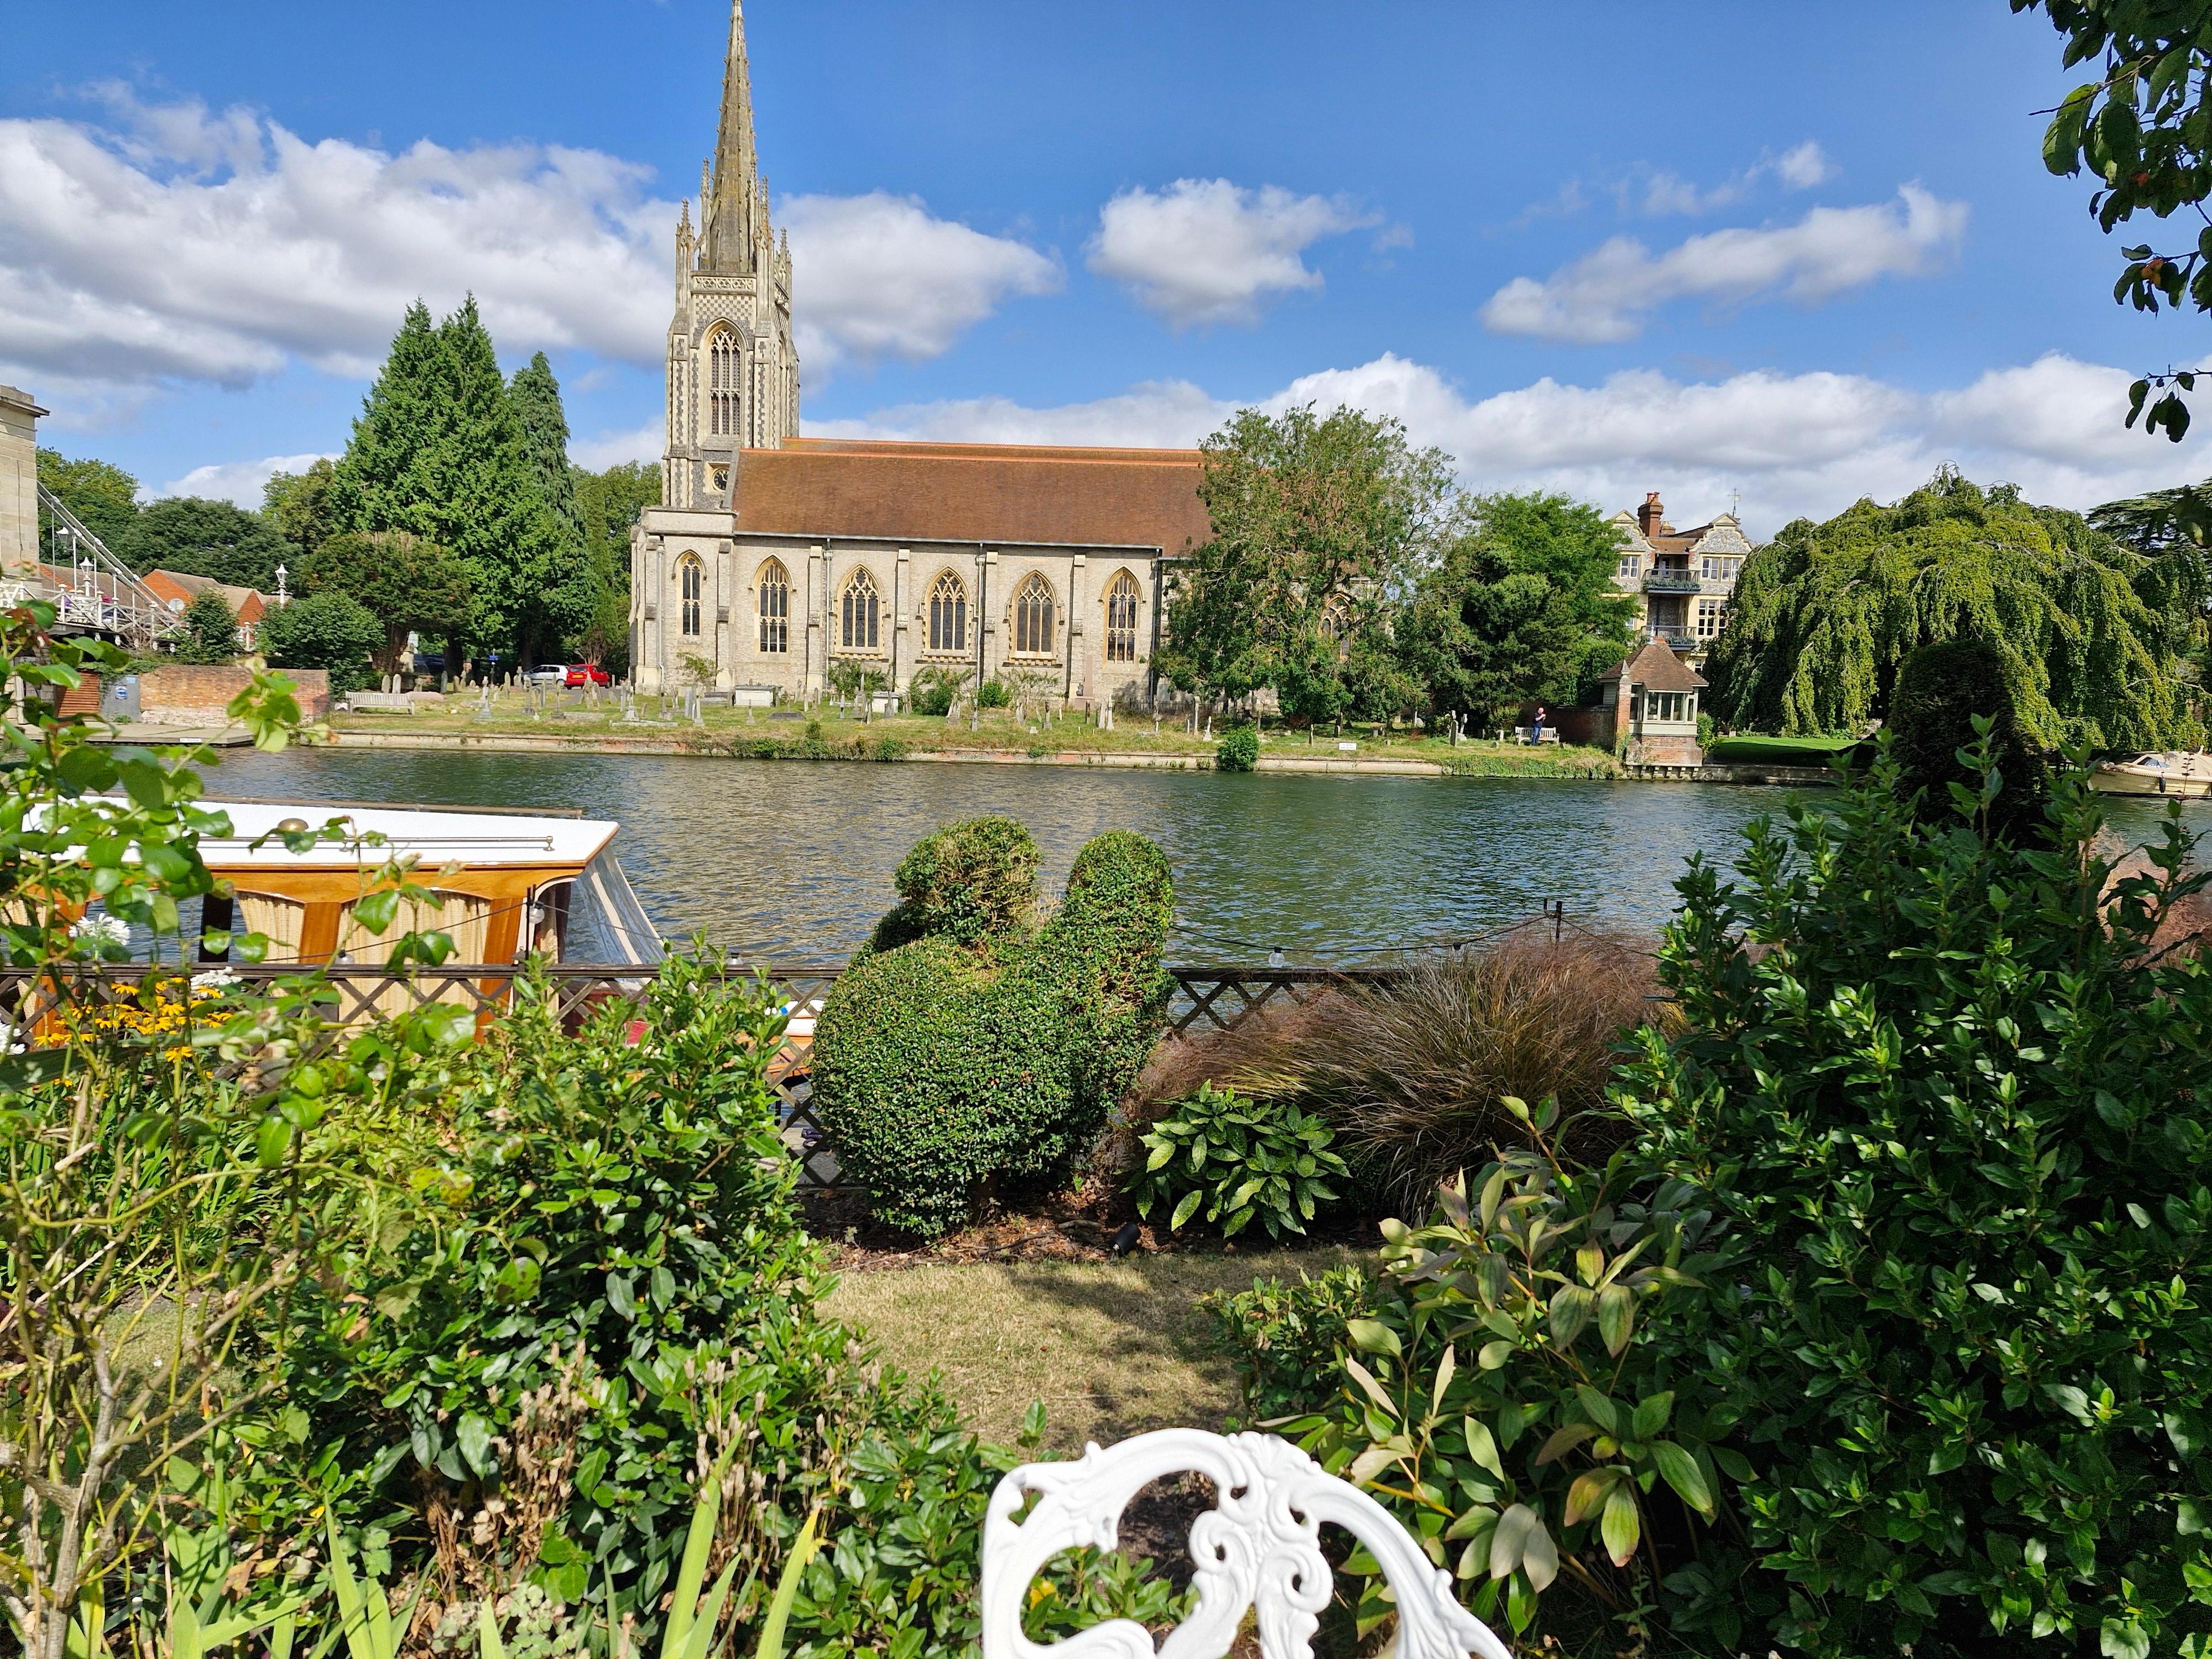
(1243, 1160)
(1903, 1261)
(589, 1281)
(1957, 1097)
(973, 1052)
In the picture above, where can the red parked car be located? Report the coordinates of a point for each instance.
(585, 674)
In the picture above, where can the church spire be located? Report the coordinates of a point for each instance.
(729, 234)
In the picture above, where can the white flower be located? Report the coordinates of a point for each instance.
(101, 930)
(216, 979)
(10, 1039)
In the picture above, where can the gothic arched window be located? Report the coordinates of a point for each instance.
(694, 577)
(1336, 622)
(948, 614)
(774, 587)
(857, 614)
(725, 382)
(1121, 618)
(1033, 616)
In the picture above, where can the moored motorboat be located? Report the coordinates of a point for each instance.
(2183, 773)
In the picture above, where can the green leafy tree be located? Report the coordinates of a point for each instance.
(210, 629)
(104, 497)
(201, 537)
(2143, 129)
(555, 598)
(300, 505)
(411, 585)
(609, 504)
(1320, 526)
(330, 630)
(1826, 614)
(1520, 604)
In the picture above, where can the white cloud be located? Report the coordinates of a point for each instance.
(238, 481)
(1803, 165)
(606, 449)
(1157, 414)
(882, 278)
(182, 244)
(174, 244)
(1207, 250)
(1607, 295)
(1799, 167)
(1791, 444)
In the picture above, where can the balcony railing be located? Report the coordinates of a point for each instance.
(1678, 639)
(1671, 581)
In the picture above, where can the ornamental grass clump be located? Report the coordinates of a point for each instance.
(1410, 1076)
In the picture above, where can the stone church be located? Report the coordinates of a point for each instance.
(772, 557)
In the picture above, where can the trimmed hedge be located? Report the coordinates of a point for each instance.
(1238, 749)
(965, 1052)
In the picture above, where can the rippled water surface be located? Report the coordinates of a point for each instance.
(790, 861)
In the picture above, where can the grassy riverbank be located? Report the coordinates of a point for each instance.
(1068, 739)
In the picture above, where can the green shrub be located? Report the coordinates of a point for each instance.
(592, 1261)
(210, 632)
(1958, 1101)
(1287, 1342)
(1509, 1393)
(965, 1051)
(1939, 1140)
(1238, 749)
(973, 882)
(331, 630)
(1239, 1159)
(933, 690)
(1941, 689)
(993, 693)
(903, 1579)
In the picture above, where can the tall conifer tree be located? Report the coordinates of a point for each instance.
(556, 596)
(487, 506)
(382, 482)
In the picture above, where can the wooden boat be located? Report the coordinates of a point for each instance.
(2183, 773)
(502, 882)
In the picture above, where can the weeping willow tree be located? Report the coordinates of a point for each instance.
(2094, 633)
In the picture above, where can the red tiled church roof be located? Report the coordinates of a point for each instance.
(997, 494)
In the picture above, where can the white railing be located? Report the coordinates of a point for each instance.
(97, 592)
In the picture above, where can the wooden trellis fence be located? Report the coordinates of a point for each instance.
(1206, 999)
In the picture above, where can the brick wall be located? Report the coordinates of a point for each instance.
(183, 694)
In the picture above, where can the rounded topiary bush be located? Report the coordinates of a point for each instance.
(971, 882)
(971, 1050)
(1238, 749)
(1940, 687)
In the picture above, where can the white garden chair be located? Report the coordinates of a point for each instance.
(1259, 1547)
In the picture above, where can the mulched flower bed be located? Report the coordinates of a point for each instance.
(1080, 1224)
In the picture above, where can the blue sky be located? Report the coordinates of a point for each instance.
(1794, 252)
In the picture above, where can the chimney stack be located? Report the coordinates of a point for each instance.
(1648, 519)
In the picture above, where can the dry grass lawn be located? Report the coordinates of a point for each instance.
(1112, 1348)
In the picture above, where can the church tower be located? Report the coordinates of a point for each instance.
(732, 369)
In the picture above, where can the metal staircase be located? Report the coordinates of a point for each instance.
(94, 593)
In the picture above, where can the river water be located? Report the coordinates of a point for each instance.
(791, 861)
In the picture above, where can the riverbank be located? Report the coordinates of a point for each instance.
(998, 738)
